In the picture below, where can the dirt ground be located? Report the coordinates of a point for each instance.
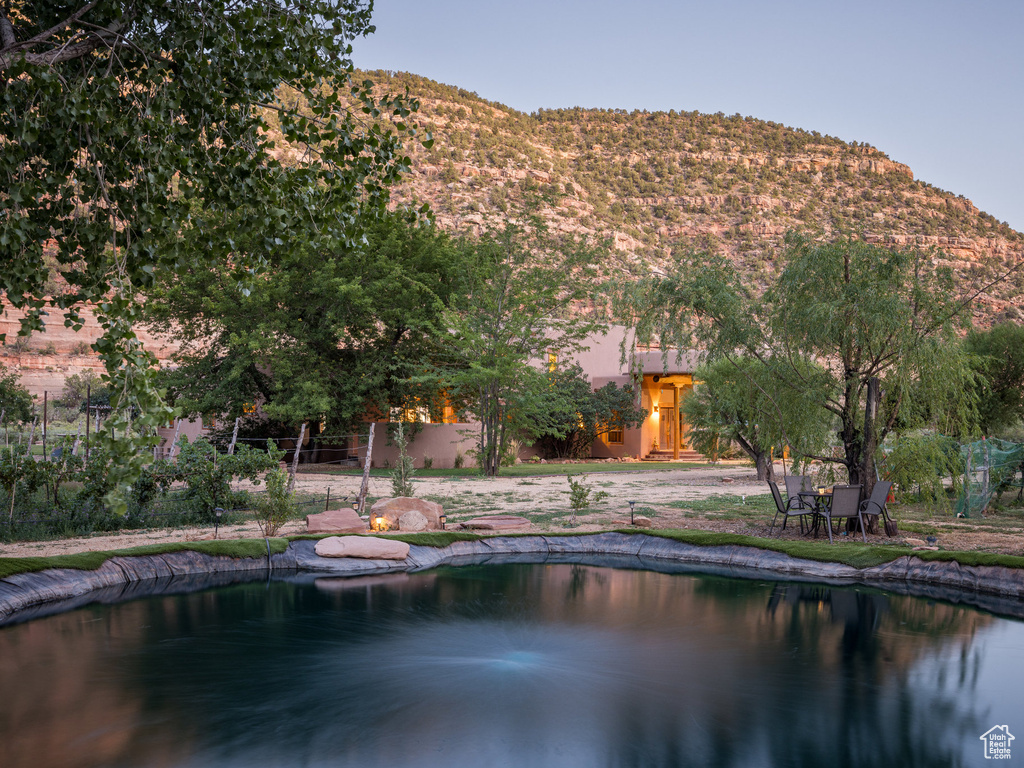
(726, 498)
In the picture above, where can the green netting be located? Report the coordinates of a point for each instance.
(990, 469)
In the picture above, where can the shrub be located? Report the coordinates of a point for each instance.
(580, 495)
(275, 507)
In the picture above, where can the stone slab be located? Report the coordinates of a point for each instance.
(364, 547)
(335, 521)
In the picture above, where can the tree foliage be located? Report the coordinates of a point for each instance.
(999, 361)
(127, 123)
(740, 400)
(579, 414)
(517, 315)
(873, 330)
(15, 401)
(321, 336)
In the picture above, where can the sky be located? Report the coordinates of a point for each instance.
(935, 84)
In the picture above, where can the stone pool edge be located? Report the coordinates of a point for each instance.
(25, 591)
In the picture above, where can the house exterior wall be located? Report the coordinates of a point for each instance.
(661, 375)
(439, 442)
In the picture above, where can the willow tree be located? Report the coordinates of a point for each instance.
(739, 399)
(126, 122)
(870, 333)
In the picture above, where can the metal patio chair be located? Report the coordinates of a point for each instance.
(787, 509)
(795, 484)
(845, 503)
(876, 506)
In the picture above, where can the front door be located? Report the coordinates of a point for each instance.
(667, 422)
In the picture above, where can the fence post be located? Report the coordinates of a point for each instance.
(234, 437)
(295, 458)
(365, 487)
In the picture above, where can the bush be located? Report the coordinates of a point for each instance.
(207, 474)
(275, 507)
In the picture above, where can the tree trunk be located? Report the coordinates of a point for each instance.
(869, 446)
(765, 470)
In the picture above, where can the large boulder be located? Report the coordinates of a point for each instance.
(335, 521)
(393, 509)
(367, 547)
(412, 521)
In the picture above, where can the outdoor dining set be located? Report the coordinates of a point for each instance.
(814, 506)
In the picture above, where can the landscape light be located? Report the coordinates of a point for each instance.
(442, 519)
(379, 521)
(217, 511)
(631, 512)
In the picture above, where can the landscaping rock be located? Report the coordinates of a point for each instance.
(366, 547)
(393, 509)
(914, 542)
(496, 523)
(335, 521)
(642, 522)
(412, 521)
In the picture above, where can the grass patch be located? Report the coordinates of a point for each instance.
(856, 555)
(90, 561)
(523, 470)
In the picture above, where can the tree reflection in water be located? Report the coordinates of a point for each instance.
(504, 665)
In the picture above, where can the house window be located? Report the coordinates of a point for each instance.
(615, 436)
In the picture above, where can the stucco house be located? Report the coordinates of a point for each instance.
(665, 379)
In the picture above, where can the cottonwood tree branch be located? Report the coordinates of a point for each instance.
(12, 51)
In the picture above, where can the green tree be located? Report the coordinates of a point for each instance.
(518, 314)
(129, 122)
(740, 400)
(321, 336)
(15, 401)
(78, 387)
(880, 324)
(999, 361)
(579, 414)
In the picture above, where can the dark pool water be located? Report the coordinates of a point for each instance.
(512, 665)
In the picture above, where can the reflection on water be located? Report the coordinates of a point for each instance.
(510, 665)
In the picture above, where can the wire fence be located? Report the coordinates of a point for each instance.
(171, 510)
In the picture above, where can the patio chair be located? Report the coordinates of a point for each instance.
(795, 484)
(787, 509)
(845, 503)
(876, 506)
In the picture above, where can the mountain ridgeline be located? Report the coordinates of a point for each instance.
(658, 182)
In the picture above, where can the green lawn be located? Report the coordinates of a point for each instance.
(523, 470)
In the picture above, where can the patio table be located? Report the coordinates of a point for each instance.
(818, 501)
